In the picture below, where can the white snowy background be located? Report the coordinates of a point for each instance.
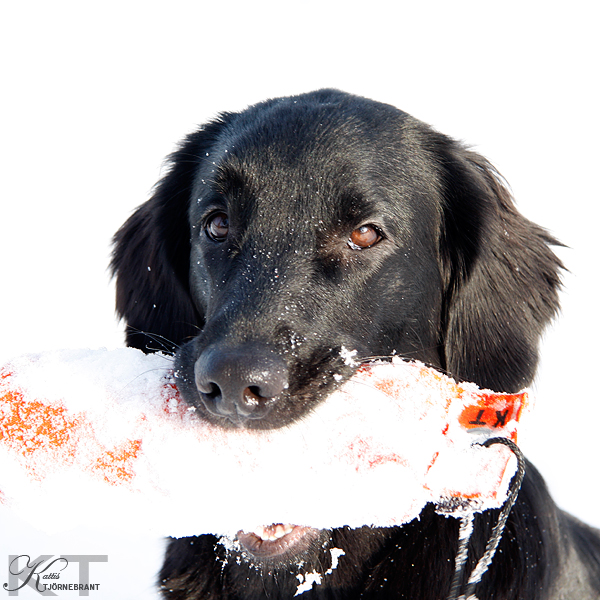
(95, 94)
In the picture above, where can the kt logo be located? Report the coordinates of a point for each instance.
(42, 573)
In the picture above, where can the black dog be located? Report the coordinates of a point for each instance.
(304, 227)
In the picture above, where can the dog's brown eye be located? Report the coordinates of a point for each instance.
(217, 226)
(364, 237)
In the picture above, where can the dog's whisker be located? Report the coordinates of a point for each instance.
(165, 371)
(168, 346)
(193, 325)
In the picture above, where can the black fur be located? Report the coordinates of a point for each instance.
(459, 280)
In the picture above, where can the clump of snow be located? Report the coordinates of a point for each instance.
(335, 559)
(105, 434)
(307, 580)
(349, 357)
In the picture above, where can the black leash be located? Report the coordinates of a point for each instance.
(466, 531)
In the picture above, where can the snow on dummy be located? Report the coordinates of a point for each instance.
(102, 438)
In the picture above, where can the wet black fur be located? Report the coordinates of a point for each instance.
(460, 280)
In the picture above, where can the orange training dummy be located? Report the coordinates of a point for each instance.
(102, 438)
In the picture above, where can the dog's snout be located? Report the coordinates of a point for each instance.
(240, 383)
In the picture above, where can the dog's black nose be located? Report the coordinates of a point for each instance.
(240, 383)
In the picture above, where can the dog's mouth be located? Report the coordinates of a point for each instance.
(278, 540)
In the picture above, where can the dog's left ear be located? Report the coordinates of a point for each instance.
(502, 278)
(151, 258)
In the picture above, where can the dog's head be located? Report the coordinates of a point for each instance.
(293, 240)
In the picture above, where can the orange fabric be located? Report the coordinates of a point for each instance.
(34, 427)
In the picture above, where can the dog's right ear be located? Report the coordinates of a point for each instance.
(151, 256)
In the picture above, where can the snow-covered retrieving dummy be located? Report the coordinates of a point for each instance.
(102, 438)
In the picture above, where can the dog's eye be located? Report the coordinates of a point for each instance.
(217, 226)
(364, 237)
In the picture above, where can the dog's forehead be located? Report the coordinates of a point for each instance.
(294, 151)
(317, 162)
